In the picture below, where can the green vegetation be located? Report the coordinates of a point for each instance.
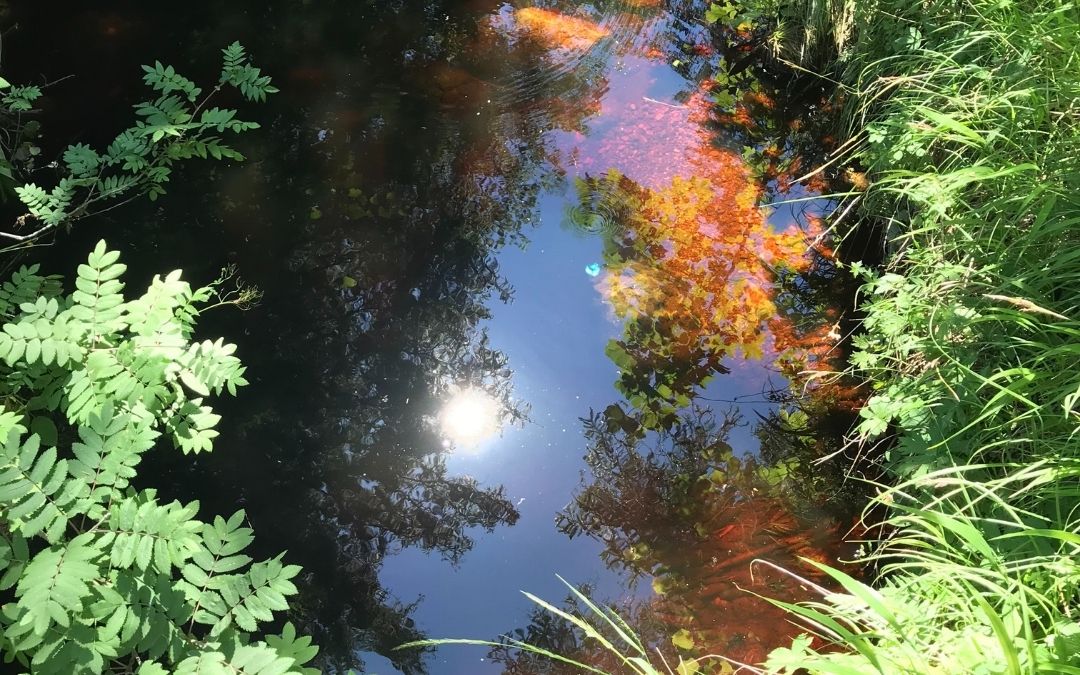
(98, 574)
(107, 578)
(608, 642)
(175, 125)
(964, 117)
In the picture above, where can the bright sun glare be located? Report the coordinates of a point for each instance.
(469, 417)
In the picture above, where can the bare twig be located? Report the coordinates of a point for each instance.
(670, 105)
(21, 222)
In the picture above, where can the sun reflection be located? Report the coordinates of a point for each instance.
(470, 417)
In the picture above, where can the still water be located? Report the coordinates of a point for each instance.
(526, 311)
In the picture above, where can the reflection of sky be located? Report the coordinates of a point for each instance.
(554, 334)
(641, 130)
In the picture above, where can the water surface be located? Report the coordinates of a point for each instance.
(550, 209)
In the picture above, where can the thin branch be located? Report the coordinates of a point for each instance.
(25, 237)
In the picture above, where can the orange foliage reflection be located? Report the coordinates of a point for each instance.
(703, 252)
(709, 590)
(557, 30)
(681, 506)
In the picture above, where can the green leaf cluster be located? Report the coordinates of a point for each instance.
(176, 124)
(99, 575)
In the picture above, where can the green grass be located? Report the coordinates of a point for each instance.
(612, 639)
(966, 117)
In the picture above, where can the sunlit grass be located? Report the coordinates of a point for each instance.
(602, 625)
(965, 118)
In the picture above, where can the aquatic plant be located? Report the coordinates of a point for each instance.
(99, 573)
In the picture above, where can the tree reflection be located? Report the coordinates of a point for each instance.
(691, 269)
(681, 506)
(406, 149)
(396, 274)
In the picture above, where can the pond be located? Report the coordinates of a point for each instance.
(536, 278)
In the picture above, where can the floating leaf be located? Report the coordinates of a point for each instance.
(682, 639)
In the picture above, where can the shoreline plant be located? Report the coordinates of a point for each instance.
(178, 124)
(964, 117)
(98, 575)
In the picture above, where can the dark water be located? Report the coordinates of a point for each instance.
(444, 252)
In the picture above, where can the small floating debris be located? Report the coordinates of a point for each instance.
(593, 269)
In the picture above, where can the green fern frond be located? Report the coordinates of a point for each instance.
(142, 533)
(212, 566)
(238, 72)
(114, 186)
(298, 648)
(254, 659)
(155, 615)
(154, 315)
(132, 377)
(191, 426)
(21, 98)
(173, 125)
(14, 555)
(26, 285)
(211, 367)
(98, 301)
(255, 596)
(82, 160)
(129, 151)
(115, 573)
(60, 647)
(234, 55)
(41, 335)
(111, 447)
(81, 398)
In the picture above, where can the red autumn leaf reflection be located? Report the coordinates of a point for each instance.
(709, 590)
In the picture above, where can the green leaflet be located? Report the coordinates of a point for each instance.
(36, 494)
(102, 571)
(55, 583)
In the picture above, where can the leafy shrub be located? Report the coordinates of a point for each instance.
(99, 574)
(175, 125)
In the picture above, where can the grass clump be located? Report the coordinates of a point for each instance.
(966, 118)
